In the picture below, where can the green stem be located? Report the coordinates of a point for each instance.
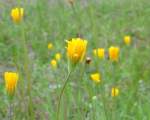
(10, 112)
(115, 78)
(61, 94)
(27, 72)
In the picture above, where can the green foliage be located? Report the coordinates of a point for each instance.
(103, 23)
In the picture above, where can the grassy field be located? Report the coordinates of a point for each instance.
(103, 23)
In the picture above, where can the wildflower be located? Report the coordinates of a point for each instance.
(58, 56)
(127, 40)
(114, 53)
(95, 77)
(76, 49)
(114, 92)
(100, 52)
(54, 63)
(17, 14)
(11, 79)
(50, 46)
(88, 60)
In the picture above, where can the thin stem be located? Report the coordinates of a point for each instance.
(61, 93)
(9, 116)
(115, 78)
(10, 112)
(27, 71)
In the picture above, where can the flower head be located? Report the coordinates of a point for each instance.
(50, 46)
(114, 92)
(11, 79)
(114, 53)
(54, 63)
(58, 56)
(95, 77)
(100, 52)
(127, 40)
(17, 14)
(76, 49)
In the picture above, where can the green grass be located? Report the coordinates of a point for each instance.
(103, 23)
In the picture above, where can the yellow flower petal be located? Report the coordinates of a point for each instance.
(50, 46)
(17, 14)
(127, 40)
(100, 53)
(76, 49)
(11, 79)
(114, 92)
(95, 77)
(53, 63)
(58, 56)
(114, 53)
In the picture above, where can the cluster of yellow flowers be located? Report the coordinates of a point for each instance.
(113, 54)
(76, 50)
(11, 78)
(54, 62)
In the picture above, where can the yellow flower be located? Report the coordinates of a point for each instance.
(50, 46)
(95, 52)
(114, 92)
(76, 49)
(95, 77)
(114, 53)
(127, 40)
(100, 52)
(54, 63)
(58, 56)
(17, 14)
(11, 79)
